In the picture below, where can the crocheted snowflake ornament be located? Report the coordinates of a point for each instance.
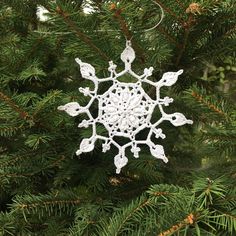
(125, 109)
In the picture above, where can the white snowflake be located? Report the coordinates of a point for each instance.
(125, 109)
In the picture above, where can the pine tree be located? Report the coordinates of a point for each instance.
(46, 189)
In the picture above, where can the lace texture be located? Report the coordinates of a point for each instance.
(125, 109)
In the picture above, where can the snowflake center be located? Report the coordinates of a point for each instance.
(125, 108)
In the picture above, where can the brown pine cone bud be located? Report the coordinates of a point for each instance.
(194, 8)
(113, 6)
(58, 9)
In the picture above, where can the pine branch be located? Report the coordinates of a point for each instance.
(14, 160)
(170, 12)
(23, 114)
(222, 139)
(50, 97)
(158, 194)
(13, 175)
(141, 205)
(227, 221)
(55, 163)
(230, 31)
(212, 107)
(168, 36)
(117, 223)
(48, 203)
(52, 203)
(189, 220)
(7, 224)
(8, 131)
(79, 33)
(187, 28)
(31, 52)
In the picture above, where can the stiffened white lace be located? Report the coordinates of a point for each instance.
(125, 109)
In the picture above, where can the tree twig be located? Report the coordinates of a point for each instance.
(170, 12)
(80, 34)
(128, 35)
(212, 107)
(189, 220)
(52, 202)
(187, 27)
(23, 114)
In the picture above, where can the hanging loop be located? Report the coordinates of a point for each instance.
(158, 23)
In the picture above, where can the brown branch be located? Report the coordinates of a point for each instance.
(23, 114)
(200, 99)
(124, 28)
(80, 34)
(183, 46)
(189, 220)
(122, 23)
(187, 27)
(73, 202)
(160, 193)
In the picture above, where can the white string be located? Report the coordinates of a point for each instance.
(155, 26)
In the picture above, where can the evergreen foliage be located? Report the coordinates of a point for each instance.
(45, 189)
